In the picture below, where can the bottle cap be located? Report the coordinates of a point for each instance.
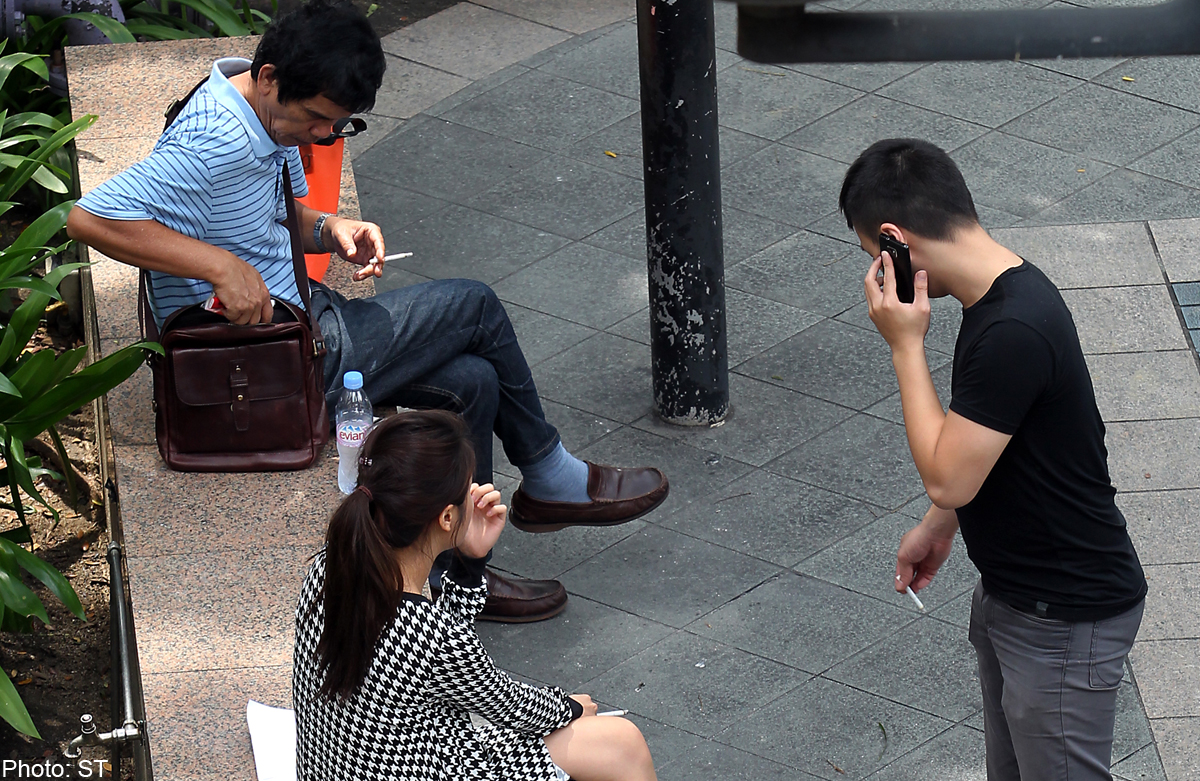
(352, 380)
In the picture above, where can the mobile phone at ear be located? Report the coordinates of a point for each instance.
(902, 264)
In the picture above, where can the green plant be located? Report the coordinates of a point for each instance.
(37, 390)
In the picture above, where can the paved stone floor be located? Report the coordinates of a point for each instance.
(749, 624)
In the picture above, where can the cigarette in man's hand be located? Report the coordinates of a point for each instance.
(613, 713)
(397, 256)
(908, 590)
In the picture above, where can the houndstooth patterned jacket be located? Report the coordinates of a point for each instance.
(410, 719)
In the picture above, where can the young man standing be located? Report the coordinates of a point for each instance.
(203, 214)
(1018, 464)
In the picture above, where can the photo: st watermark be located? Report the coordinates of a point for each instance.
(83, 768)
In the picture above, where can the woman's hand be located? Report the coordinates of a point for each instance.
(589, 707)
(484, 521)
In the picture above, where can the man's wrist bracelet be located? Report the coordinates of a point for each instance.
(318, 227)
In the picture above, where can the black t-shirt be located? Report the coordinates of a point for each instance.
(1043, 530)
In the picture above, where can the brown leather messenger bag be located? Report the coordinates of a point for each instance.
(239, 398)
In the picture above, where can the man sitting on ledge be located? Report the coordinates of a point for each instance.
(203, 214)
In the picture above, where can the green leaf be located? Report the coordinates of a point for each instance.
(31, 119)
(29, 283)
(78, 389)
(68, 473)
(219, 13)
(7, 388)
(158, 32)
(111, 28)
(48, 575)
(18, 469)
(19, 534)
(49, 147)
(41, 230)
(16, 596)
(27, 60)
(13, 710)
(43, 370)
(46, 179)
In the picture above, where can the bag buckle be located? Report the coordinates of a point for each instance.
(239, 389)
(318, 348)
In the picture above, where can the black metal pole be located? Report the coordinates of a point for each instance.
(677, 58)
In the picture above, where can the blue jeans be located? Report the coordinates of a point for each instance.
(446, 344)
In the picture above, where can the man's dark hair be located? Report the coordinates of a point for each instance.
(909, 182)
(324, 47)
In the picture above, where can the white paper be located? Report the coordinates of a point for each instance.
(273, 738)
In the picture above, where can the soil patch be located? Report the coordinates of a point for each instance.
(61, 670)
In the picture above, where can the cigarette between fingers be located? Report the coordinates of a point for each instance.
(397, 256)
(920, 606)
(613, 713)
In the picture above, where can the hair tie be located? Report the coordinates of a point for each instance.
(366, 491)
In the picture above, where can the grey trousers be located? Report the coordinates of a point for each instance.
(1049, 690)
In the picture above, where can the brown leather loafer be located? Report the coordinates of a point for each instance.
(617, 496)
(519, 601)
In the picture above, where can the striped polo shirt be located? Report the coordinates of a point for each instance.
(214, 175)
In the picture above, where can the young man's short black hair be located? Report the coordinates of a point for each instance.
(911, 183)
(324, 47)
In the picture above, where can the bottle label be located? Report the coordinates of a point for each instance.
(351, 434)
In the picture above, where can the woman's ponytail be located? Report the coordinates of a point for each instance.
(413, 465)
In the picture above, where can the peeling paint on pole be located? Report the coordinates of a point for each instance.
(684, 252)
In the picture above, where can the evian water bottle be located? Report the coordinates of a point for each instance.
(354, 417)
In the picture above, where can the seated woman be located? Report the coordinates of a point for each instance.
(385, 680)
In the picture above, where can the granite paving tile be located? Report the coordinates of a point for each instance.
(695, 684)
(573, 648)
(393, 208)
(101, 158)
(1140, 386)
(1125, 319)
(1162, 525)
(580, 283)
(744, 235)
(460, 242)
(616, 148)
(1142, 765)
(802, 622)
(1122, 196)
(1175, 161)
(785, 185)
(442, 159)
(765, 421)
(544, 336)
(564, 197)
(957, 753)
(1168, 677)
(768, 101)
(1164, 79)
(410, 87)
(222, 609)
(487, 83)
(865, 562)
(395, 278)
(379, 127)
(197, 719)
(1094, 121)
(865, 76)
(653, 574)
(136, 109)
(130, 406)
(667, 744)
(713, 760)
(545, 556)
(608, 62)
(805, 270)
(1138, 461)
(863, 457)
(990, 217)
(575, 16)
(284, 510)
(753, 324)
(833, 361)
(1177, 740)
(1171, 599)
(1131, 730)
(927, 665)
(834, 226)
(543, 110)
(846, 132)
(954, 88)
(1095, 255)
(115, 286)
(824, 727)
(484, 40)
(1079, 67)
(621, 392)
(957, 611)
(1022, 177)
